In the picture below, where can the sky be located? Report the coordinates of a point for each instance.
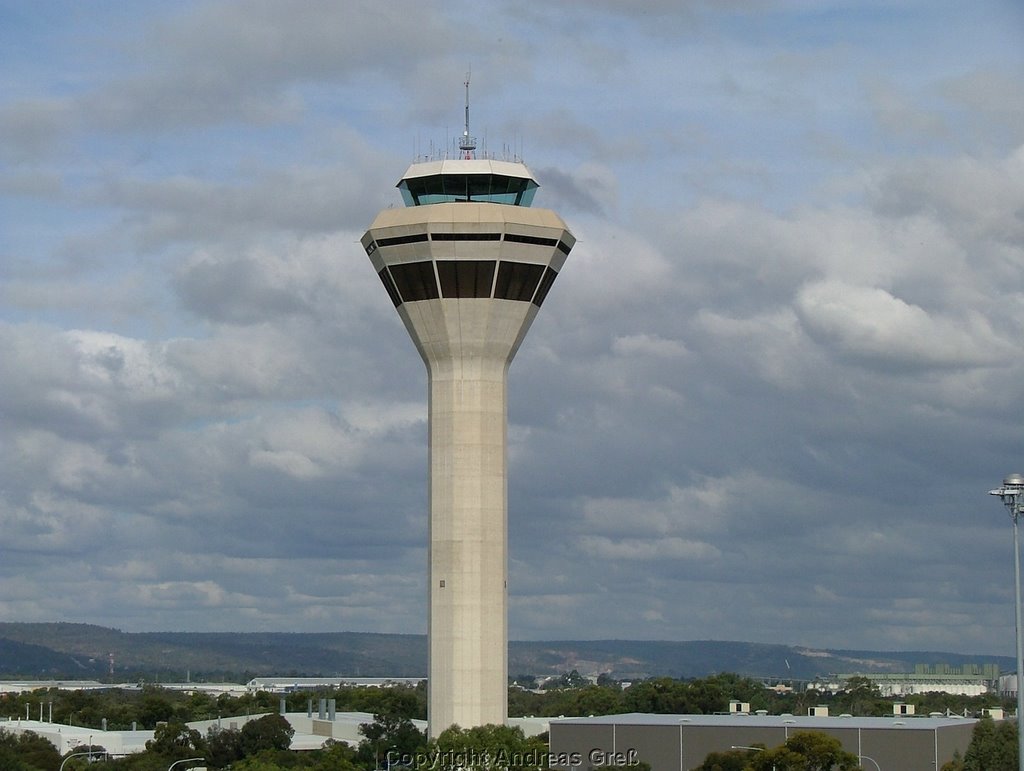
(764, 401)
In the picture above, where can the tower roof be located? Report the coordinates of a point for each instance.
(471, 166)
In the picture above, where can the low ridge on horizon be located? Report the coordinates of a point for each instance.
(50, 649)
(539, 640)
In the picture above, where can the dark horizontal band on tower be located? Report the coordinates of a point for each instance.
(416, 238)
(434, 279)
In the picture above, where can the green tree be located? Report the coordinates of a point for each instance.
(806, 751)
(200, 706)
(732, 760)
(660, 695)
(27, 751)
(387, 739)
(956, 764)
(154, 708)
(335, 756)
(522, 703)
(223, 747)
(270, 732)
(706, 696)
(176, 740)
(486, 748)
(138, 761)
(401, 701)
(566, 680)
(591, 700)
(260, 763)
(993, 746)
(862, 697)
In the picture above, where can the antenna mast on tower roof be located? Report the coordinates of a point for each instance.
(467, 144)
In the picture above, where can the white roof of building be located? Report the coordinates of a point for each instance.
(21, 686)
(908, 722)
(293, 683)
(345, 727)
(310, 730)
(64, 737)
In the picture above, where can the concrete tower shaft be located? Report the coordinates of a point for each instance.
(467, 276)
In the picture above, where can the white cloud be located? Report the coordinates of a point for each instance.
(897, 113)
(871, 325)
(784, 346)
(772, 345)
(671, 547)
(307, 445)
(319, 277)
(648, 345)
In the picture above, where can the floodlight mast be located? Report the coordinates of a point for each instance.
(1012, 496)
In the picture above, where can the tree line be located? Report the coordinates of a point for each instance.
(392, 739)
(569, 694)
(394, 742)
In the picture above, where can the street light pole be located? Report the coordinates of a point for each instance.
(1012, 496)
(754, 749)
(185, 760)
(76, 755)
(865, 757)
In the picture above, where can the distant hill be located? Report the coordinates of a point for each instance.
(16, 657)
(211, 655)
(699, 658)
(83, 650)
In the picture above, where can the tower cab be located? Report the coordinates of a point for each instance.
(480, 180)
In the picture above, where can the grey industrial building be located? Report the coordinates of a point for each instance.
(965, 679)
(682, 742)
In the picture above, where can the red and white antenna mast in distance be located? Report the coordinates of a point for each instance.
(467, 144)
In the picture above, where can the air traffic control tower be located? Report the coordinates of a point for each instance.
(467, 264)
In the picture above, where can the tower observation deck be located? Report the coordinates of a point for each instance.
(467, 264)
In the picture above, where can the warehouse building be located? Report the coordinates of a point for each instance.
(681, 742)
